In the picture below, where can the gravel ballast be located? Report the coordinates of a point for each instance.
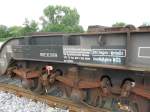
(12, 103)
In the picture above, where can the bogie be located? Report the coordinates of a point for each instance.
(98, 87)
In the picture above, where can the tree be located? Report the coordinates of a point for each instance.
(60, 19)
(3, 31)
(119, 24)
(15, 31)
(62, 28)
(29, 26)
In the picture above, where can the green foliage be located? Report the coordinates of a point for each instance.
(15, 31)
(61, 15)
(55, 19)
(119, 24)
(3, 31)
(29, 26)
(62, 28)
(61, 19)
(3, 39)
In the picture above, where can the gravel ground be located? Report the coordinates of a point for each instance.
(11, 103)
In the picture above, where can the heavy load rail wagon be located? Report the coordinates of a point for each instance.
(107, 69)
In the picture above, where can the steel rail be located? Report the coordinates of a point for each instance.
(50, 100)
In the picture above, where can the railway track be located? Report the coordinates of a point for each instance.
(11, 86)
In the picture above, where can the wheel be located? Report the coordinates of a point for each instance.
(30, 84)
(94, 97)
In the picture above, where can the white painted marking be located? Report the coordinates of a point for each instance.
(111, 50)
(139, 52)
